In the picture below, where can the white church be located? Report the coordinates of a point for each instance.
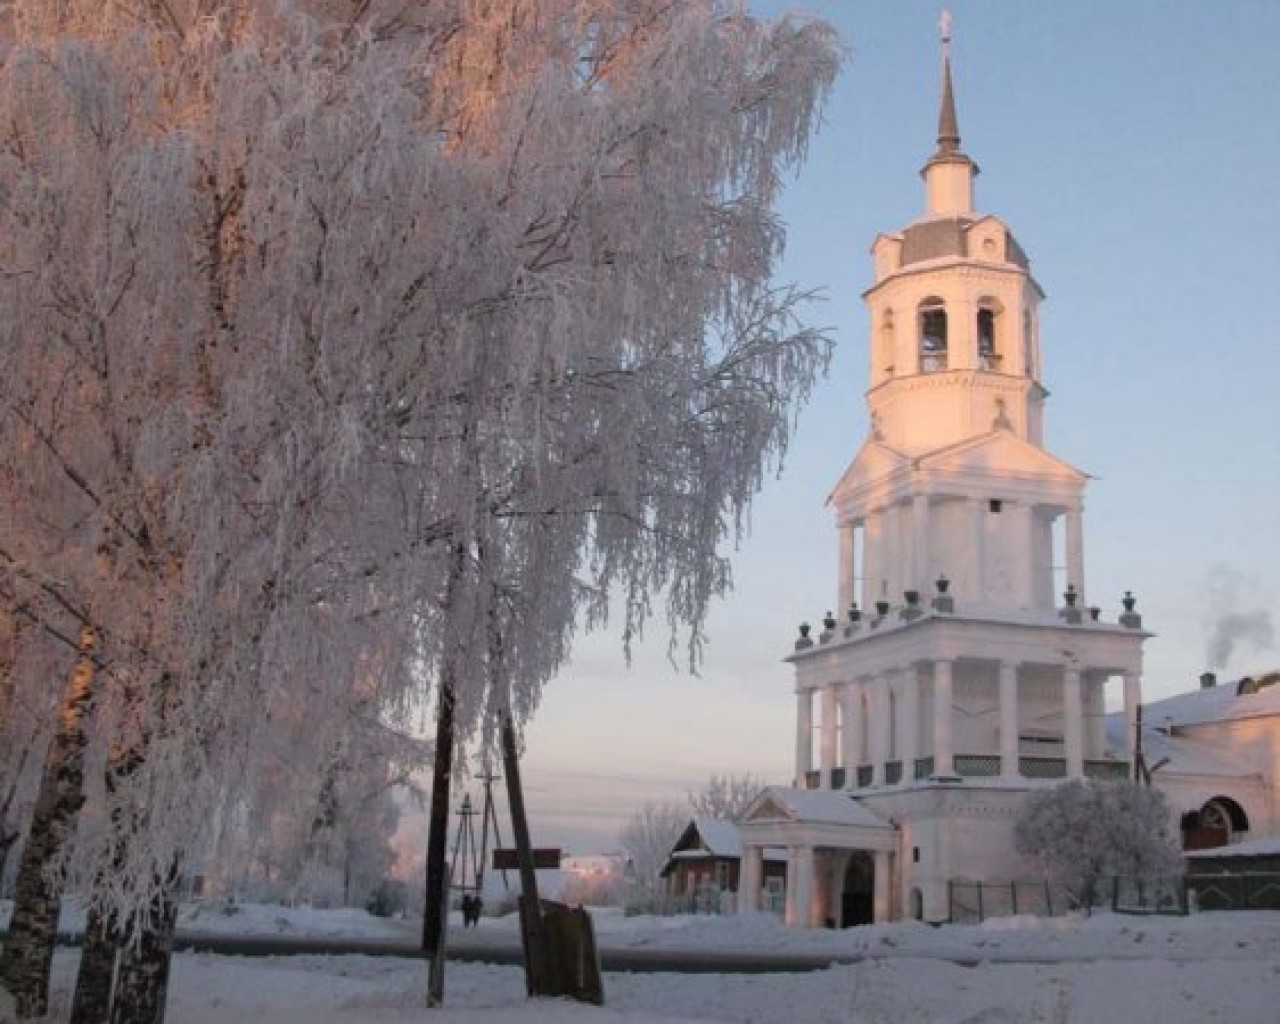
(955, 677)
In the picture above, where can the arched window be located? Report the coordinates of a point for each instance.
(1219, 822)
(990, 355)
(933, 336)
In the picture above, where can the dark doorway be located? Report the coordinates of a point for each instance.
(857, 903)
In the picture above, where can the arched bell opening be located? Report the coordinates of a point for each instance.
(933, 335)
(990, 331)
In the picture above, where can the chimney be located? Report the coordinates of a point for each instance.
(1208, 681)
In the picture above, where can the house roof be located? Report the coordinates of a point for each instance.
(1268, 846)
(1221, 703)
(719, 837)
(1186, 756)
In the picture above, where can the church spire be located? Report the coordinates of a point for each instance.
(948, 125)
(949, 173)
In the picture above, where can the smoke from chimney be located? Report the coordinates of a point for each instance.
(1230, 627)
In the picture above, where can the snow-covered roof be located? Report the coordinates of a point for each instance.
(1186, 756)
(1219, 703)
(719, 837)
(1267, 846)
(824, 806)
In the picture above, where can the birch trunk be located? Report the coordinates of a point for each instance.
(28, 952)
(437, 873)
(92, 1004)
(143, 980)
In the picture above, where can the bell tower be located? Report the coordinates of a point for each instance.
(954, 347)
(965, 667)
(954, 480)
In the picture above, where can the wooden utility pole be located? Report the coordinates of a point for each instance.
(560, 954)
(436, 907)
(532, 929)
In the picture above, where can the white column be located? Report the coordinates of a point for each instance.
(873, 557)
(804, 734)
(881, 887)
(1009, 765)
(1095, 717)
(830, 736)
(976, 587)
(878, 726)
(909, 718)
(1072, 722)
(799, 906)
(962, 343)
(1075, 551)
(851, 731)
(848, 570)
(752, 879)
(920, 545)
(889, 586)
(1132, 698)
(943, 761)
(1026, 567)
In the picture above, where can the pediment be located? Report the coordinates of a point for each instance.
(1001, 453)
(766, 807)
(875, 461)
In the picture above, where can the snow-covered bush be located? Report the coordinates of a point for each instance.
(1081, 832)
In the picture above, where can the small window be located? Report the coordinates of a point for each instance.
(915, 855)
(996, 506)
(933, 336)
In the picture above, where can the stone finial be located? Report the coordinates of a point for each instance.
(1130, 619)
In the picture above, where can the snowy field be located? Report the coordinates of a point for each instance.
(1104, 970)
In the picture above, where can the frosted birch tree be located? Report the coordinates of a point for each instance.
(165, 479)
(429, 330)
(726, 796)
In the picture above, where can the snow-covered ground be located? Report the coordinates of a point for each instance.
(1104, 970)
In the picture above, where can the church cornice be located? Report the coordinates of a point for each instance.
(969, 380)
(969, 268)
(1028, 637)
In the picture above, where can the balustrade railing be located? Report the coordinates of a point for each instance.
(1043, 767)
(1114, 770)
(977, 765)
(924, 767)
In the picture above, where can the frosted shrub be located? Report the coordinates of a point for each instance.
(1080, 832)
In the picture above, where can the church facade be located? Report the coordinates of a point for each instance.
(960, 673)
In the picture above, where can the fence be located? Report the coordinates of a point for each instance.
(705, 899)
(974, 902)
(1248, 891)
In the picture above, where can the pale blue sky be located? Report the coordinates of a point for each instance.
(1134, 148)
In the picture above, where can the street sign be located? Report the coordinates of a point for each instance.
(544, 857)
